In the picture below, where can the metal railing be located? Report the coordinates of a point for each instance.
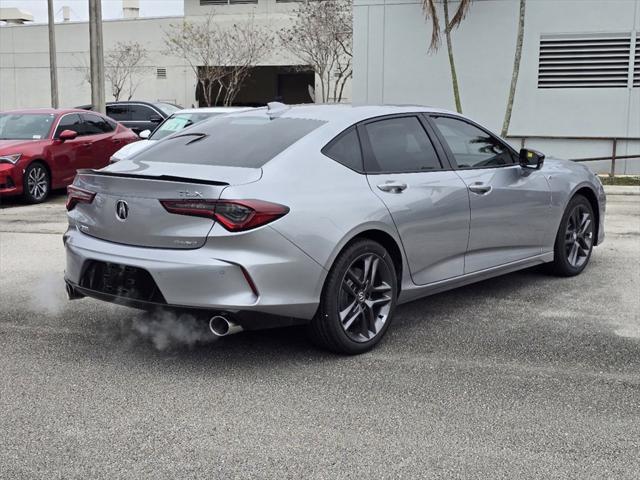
(614, 147)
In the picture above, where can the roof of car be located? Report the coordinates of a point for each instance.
(342, 112)
(52, 111)
(213, 110)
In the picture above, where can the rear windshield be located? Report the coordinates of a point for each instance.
(245, 141)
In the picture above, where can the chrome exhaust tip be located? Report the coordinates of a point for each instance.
(221, 327)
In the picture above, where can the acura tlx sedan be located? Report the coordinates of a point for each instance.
(325, 215)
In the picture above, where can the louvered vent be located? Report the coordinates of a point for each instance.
(636, 66)
(161, 73)
(584, 61)
(225, 2)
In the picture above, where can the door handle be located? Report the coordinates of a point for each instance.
(480, 188)
(116, 141)
(392, 187)
(86, 144)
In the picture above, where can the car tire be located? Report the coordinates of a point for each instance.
(358, 300)
(36, 183)
(575, 238)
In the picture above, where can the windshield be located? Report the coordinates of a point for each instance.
(177, 122)
(168, 108)
(242, 141)
(25, 126)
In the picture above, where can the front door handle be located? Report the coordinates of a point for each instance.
(392, 187)
(86, 144)
(480, 188)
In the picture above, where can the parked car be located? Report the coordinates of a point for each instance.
(42, 149)
(138, 116)
(330, 215)
(176, 122)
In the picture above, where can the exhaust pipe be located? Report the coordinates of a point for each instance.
(221, 327)
(72, 294)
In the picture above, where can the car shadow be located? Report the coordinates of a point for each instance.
(18, 201)
(429, 315)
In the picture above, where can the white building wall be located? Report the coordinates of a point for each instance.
(24, 55)
(393, 66)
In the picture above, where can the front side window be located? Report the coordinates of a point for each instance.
(70, 122)
(345, 149)
(472, 147)
(25, 126)
(243, 141)
(399, 145)
(95, 124)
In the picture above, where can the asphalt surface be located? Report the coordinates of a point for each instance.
(523, 376)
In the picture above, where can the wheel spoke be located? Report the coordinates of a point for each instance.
(584, 226)
(349, 289)
(573, 254)
(383, 287)
(354, 277)
(368, 260)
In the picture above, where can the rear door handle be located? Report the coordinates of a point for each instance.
(392, 187)
(116, 141)
(480, 188)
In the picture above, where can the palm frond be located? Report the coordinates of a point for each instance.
(460, 14)
(431, 12)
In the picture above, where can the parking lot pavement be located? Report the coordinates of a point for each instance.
(523, 376)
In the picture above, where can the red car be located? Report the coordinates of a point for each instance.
(42, 149)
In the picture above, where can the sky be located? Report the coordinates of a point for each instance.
(80, 10)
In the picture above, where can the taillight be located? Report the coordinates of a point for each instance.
(77, 195)
(234, 215)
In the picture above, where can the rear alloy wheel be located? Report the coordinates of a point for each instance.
(36, 183)
(358, 300)
(574, 242)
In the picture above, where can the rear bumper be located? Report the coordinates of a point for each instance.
(216, 277)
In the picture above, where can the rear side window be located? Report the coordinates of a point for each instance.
(247, 141)
(142, 113)
(399, 145)
(121, 113)
(95, 124)
(471, 146)
(345, 149)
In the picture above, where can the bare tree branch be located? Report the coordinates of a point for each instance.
(321, 36)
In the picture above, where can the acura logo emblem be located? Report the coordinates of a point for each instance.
(122, 210)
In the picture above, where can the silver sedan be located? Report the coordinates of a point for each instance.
(324, 215)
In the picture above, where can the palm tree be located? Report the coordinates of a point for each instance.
(516, 69)
(431, 12)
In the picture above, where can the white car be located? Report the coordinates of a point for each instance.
(176, 122)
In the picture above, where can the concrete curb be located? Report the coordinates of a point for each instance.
(621, 190)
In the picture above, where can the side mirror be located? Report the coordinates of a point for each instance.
(531, 159)
(67, 135)
(144, 134)
(156, 119)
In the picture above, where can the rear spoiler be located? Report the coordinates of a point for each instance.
(165, 178)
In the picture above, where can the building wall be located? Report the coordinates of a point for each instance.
(392, 65)
(24, 55)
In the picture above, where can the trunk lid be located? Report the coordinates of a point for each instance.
(127, 210)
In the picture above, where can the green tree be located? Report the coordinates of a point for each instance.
(431, 12)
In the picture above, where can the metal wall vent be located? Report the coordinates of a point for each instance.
(584, 61)
(636, 66)
(226, 2)
(161, 72)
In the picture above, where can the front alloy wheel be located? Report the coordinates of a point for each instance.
(36, 183)
(358, 299)
(575, 238)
